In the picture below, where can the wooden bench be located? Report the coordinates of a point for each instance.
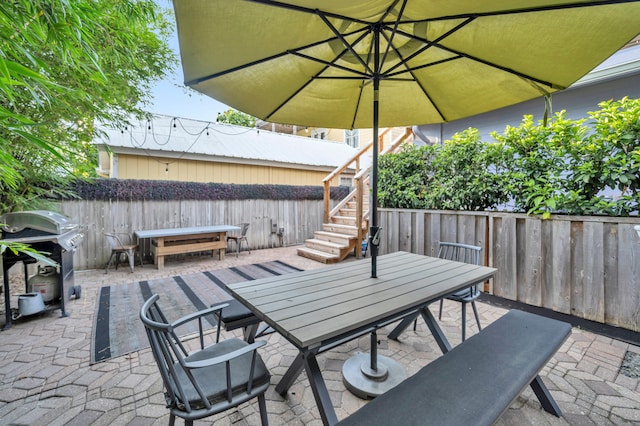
(475, 382)
(170, 241)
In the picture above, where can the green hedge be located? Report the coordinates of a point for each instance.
(153, 190)
(563, 167)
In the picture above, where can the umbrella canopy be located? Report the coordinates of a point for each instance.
(370, 63)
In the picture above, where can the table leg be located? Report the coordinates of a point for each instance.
(400, 328)
(221, 252)
(308, 362)
(435, 329)
(7, 297)
(250, 332)
(159, 260)
(291, 375)
(319, 388)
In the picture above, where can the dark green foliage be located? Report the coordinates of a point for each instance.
(568, 167)
(462, 174)
(65, 65)
(153, 190)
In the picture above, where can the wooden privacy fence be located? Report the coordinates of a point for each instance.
(578, 265)
(299, 219)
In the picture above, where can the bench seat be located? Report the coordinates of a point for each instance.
(475, 382)
(236, 315)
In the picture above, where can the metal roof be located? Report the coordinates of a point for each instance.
(191, 139)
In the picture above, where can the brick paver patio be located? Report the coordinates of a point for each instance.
(46, 379)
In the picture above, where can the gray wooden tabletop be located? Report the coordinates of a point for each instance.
(312, 307)
(192, 230)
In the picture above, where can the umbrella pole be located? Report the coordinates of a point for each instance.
(374, 228)
(371, 376)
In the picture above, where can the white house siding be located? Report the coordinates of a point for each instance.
(609, 81)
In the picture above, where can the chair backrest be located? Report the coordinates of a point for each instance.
(165, 346)
(245, 228)
(461, 253)
(116, 240)
(213, 378)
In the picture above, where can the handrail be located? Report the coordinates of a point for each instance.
(355, 157)
(327, 180)
(361, 181)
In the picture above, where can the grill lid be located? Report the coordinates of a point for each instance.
(41, 220)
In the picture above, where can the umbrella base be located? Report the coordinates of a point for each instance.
(366, 383)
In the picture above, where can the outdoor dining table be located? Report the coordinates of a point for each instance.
(319, 309)
(169, 241)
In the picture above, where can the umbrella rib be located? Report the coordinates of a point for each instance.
(428, 44)
(502, 68)
(317, 76)
(355, 111)
(548, 8)
(344, 41)
(459, 55)
(308, 10)
(419, 67)
(267, 59)
(330, 64)
(198, 80)
(393, 31)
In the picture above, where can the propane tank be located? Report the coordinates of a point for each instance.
(45, 282)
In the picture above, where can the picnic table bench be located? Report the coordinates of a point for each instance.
(475, 382)
(171, 241)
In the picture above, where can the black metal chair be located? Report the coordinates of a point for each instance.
(122, 244)
(209, 379)
(238, 239)
(468, 254)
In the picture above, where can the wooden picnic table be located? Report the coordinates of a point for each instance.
(319, 309)
(186, 240)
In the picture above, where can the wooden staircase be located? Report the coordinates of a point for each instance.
(338, 238)
(340, 235)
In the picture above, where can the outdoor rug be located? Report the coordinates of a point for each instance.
(117, 328)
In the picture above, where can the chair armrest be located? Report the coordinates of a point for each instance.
(226, 357)
(196, 315)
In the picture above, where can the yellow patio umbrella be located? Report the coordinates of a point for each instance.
(383, 63)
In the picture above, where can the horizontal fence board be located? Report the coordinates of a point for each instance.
(584, 266)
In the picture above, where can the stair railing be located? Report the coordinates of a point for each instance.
(361, 182)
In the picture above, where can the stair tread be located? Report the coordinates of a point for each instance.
(318, 253)
(336, 234)
(326, 243)
(340, 225)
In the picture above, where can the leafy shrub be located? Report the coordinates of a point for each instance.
(585, 167)
(462, 174)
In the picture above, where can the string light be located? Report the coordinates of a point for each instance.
(150, 130)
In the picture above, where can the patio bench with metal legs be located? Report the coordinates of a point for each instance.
(235, 316)
(476, 381)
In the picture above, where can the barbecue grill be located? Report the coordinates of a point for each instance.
(48, 232)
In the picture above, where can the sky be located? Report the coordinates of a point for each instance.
(171, 97)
